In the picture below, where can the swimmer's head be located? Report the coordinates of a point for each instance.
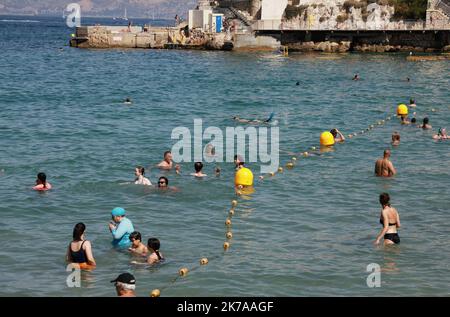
(139, 170)
(425, 120)
(117, 214)
(442, 132)
(198, 167)
(387, 153)
(78, 231)
(411, 101)
(135, 238)
(163, 182)
(385, 199)
(413, 120)
(168, 156)
(333, 132)
(154, 245)
(396, 136)
(238, 159)
(41, 179)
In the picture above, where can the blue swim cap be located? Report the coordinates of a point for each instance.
(118, 211)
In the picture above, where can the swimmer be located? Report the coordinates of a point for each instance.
(163, 182)
(217, 171)
(395, 139)
(404, 119)
(198, 170)
(128, 101)
(297, 83)
(413, 120)
(167, 163)
(237, 161)
(137, 247)
(390, 220)
(384, 167)
(412, 103)
(41, 183)
(155, 256)
(356, 77)
(441, 135)
(84, 254)
(139, 172)
(121, 227)
(425, 124)
(408, 79)
(125, 285)
(338, 136)
(255, 121)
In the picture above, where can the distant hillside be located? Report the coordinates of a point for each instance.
(135, 8)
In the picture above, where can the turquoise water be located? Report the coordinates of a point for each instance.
(306, 232)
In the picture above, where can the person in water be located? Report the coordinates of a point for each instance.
(255, 121)
(155, 256)
(139, 172)
(404, 119)
(128, 101)
(356, 77)
(125, 285)
(121, 227)
(41, 183)
(395, 139)
(237, 161)
(390, 220)
(412, 103)
(441, 135)
(384, 167)
(163, 182)
(167, 163)
(413, 120)
(198, 170)
(80, 249)
(338, 136)
(137, 247)
(425, 124)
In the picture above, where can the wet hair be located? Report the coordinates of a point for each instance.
(166, 152)
(141, 170)
(154, 244)
(78, 231)
(198, 166)
(384, 199)
(413, 120)
(396, 136)
(135, 236)
(425, 120)
(386, 152)
(333, 132)
(164, 178)
(43, 178)
(411, 101)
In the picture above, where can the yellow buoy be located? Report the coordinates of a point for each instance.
(289, 165)
(183, 271)
(272, 174)
(231, 212)
(244, 177)
(229, 235)
(155, 293)
(402, 109)
(313, 148)
(204, 261)
(294, 158)
(280, 170)
(305, 154)
(226, 245)
(228, 222)
(326, 139)
(433, 110)
(234, 203)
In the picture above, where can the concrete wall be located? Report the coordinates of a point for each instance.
(199, 19)
(249, 41)
(273, 9)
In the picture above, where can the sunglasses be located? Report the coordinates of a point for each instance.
(161, 182)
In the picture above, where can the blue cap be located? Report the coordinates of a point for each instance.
(118, 211)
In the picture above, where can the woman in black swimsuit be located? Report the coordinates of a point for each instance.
(390, 220)
(80, 250)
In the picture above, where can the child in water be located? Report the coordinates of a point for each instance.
(155, 256)
(41, 183)
(137, 246)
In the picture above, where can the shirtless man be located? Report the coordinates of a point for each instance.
(384, 167)
(167, 163)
